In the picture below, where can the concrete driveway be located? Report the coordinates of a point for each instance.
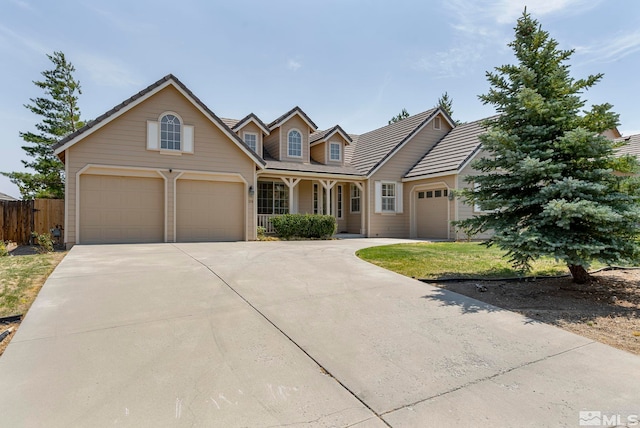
(262, 334)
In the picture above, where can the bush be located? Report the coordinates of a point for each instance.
(304, 225)
(3, 249)
(45, 243)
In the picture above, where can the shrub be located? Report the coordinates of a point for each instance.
(45, 243)
(304, 225)
(262, 231)
(3, 249)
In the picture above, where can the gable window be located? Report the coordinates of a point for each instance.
(251, 140)
(294, 146)
(170, 132)
(334, 152)
(388, 197)
(355, 199)
(273, 198)
(437, 123)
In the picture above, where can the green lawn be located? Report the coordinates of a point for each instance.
(21, 278)
(432, 260)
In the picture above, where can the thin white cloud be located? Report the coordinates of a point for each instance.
(451, 63)
(480, 25)
(22, 40)
(611, 49)
(293, 65)
(107, 71)
(508, 11)
(122, 22)
(23, 4)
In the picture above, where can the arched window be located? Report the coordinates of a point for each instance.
(170, 132)
(295, 144)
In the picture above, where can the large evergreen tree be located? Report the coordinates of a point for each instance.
(60, 115)
(548, 179)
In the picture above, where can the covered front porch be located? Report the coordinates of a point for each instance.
(341, 197)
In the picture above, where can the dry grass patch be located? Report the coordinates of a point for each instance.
(21, 278)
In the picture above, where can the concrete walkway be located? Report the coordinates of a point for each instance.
(262, 334)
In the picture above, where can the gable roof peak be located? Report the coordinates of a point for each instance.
(294, 111)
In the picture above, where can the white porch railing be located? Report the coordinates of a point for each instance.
(264, 220)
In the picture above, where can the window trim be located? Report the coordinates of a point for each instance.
(393, 185)
(352, 197)
(181, 134)
(289, 143)
(244, 138)
(335, 143)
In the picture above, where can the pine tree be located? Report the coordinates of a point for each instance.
(446, 104)
(548, 180)
(60, 116)
(402, 115)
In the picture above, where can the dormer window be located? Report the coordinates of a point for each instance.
(251, 140)
(294, 144)
(170, 132)
(334, 152)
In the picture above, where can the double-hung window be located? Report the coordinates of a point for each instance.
(355, 199)
(388, 196)
(251, 140)
(334, 152)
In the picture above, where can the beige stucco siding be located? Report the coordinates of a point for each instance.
(123, 143)
(397, 225)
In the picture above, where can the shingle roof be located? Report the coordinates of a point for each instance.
(632, 146)
(371, 149)
(169, 77)
(450, 153)
(5, 197)
(248, 118)
(229, 122)
(296, 109)
(320, 135)
(273, 164)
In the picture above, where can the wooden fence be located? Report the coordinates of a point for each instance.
(18, 219)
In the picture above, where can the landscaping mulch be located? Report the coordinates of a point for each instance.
(606, 310)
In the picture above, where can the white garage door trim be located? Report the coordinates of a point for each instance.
(413, 226)
(210, 176)
(93, 169)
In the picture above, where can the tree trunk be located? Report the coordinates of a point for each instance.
(579, 274)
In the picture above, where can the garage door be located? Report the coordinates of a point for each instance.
(209, 211)
(432, 214)
(121, 209)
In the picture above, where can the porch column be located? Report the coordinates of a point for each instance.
(360, 186)
(291, 184)
(328, 185)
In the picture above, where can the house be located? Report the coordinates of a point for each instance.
(162, 167)
(5, 197)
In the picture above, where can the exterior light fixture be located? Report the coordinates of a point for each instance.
(251, 190)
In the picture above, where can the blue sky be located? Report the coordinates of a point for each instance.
(348, 62)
